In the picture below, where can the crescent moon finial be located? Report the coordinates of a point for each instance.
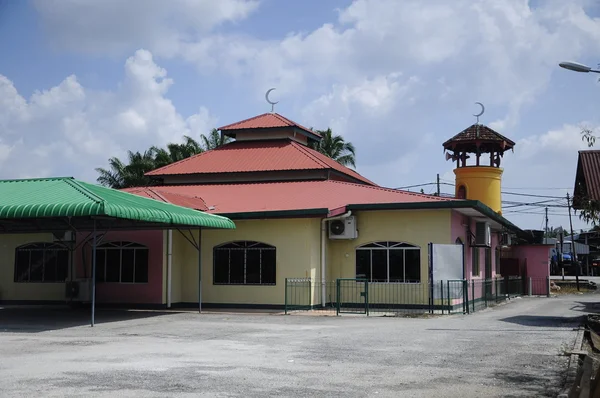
(480, 113)
(269, 101)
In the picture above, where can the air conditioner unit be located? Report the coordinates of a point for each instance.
(64, 237)
(483, 234)
(79, 290)
(344, 228)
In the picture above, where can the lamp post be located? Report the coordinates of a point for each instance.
(577, 67)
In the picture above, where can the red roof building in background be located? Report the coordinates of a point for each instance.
(587, 179)
(269, 168)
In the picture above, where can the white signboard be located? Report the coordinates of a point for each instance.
(447, 265)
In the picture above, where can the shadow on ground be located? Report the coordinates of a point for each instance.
(40, 319)
(540, 384)
(546, 321)
(592, 307)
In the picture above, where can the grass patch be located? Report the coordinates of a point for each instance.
(572, 290)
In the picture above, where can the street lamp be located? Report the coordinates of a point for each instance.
(577, 67)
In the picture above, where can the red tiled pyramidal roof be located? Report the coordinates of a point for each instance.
(266, 121)
(479, 132)
(253, 156)
(284, 196)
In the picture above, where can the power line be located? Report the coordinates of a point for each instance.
(533, 212)
(536, 189)
(535, 204)
(531, 195)
(518, 188)
(503, 192)
(416, 186)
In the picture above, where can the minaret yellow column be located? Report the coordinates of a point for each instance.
(482, 183)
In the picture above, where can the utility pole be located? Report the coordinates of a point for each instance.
(574, 251)
(587, 257)
(561, 263)
(546, 230)
(438, 185)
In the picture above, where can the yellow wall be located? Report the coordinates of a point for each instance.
(297, 244)
(415, 227)
(483, 183)
(9, 290)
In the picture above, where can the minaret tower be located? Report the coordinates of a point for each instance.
(479, 179)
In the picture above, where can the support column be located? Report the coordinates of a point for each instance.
(94, 276)
(200, 270)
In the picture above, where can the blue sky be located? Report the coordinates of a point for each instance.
(83, 81)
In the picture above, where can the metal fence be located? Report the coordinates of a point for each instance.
(359, 296)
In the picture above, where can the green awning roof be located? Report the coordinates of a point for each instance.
(66, 197)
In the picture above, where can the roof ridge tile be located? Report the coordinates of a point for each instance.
(242, 121)
(303, 149)
(152, 172)
(84, 190)
(401, 191)
(346, 170)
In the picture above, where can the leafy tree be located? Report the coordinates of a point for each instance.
(335, 147)
(553, 232)
(214, 140)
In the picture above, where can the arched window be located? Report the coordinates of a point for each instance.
(389, 262)
(41, 262)
(244, 263)
(122, 262)
(462, 192)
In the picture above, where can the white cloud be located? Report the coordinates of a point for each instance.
(70, 130)
(397, 78)
(547, 159)
(116, 27)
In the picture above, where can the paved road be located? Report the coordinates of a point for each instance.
(511, 350)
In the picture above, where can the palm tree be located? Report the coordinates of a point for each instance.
(214, 140)
(114, 177)
(176, 152)
(336, 148)
(121, 176)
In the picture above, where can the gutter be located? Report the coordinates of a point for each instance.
(324, 252)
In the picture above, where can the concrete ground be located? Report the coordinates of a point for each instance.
(513, 350)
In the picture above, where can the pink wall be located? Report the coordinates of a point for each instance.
(538, 259)
(151, 292)
(460, 231)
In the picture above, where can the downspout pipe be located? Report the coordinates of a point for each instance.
(324, 252)
(169, 266)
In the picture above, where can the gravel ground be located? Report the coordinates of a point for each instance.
(512, 350)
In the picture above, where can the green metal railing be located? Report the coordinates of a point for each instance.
(359, 296)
